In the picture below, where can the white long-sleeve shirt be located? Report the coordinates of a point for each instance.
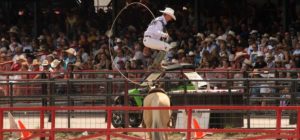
(155, 28)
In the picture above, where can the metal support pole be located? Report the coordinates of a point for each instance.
(247, 91)
(11, 92)
(126, 101)
(189, 125)
(185, 93)
(69, 104)
(278, 120)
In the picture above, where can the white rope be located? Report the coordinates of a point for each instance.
(110, 33)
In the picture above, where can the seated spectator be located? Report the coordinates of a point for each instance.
(56, 70)
(45, 66)
(71, 57)
(260, 61)
(18, 64)
(35, 68)
(120, 57)
(27, 46)
(102, 62)
(270, 60)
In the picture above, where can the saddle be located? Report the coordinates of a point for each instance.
(156, 90)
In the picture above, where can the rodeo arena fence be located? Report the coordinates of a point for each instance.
(103, 104)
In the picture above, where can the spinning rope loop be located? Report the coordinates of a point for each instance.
(110, 33)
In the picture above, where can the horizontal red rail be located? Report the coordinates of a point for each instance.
(37, 108)
(278, 132)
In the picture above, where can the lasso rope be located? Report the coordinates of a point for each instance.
(110, 33)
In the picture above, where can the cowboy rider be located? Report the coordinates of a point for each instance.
(157, 31)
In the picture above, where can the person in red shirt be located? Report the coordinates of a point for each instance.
(35, 68)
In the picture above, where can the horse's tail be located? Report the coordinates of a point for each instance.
(156, 123)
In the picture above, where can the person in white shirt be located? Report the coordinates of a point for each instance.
(156, 31)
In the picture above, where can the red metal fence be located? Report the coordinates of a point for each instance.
(108, 131)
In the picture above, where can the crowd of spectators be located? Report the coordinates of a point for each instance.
(223, 42)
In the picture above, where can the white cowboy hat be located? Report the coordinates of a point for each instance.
(35, 62)
(222, 38)
(191, 53)
(273, 39)
(208, 39)
(265, 35)
(169, 11)
(21, 58)
(174, 44)
(260, 54)
(13, 29)
(200, 35)
(231, 33)
(174, 61)
(253, 32)
(45, 63)
(270, 47)
(213, 36)
(118, 40)
(180, 51)
(247, 62)
(55, 63)
(71, 51)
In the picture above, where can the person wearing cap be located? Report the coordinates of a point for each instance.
(35, 67)
(260, 61)
(209, 45)
(253, 34)
(71, 58)
(56, 70)
(254, 52)
(230, 38)
(120, 57)
(270, 60)
(224, 52)
(118, 43)
(191, 58)
(157, 31)
(27, 48)
(45, 66)
(14, 44)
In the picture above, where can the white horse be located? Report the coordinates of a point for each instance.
(157, 118)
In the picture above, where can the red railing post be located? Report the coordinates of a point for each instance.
(298, 124)
(109, 112)
(189, 124)
(1, 124)
(278, 120)
(52, 131)
(42, 117)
